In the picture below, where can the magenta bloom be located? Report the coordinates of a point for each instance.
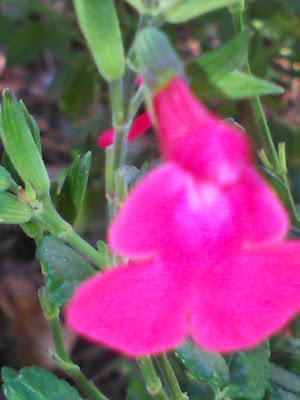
(140, 125)
(206, 236)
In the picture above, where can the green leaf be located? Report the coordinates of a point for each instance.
(81, 86)
(205, 366)
(235, 85)
(189, 9)
(26, 43)
(285, 351)
(285, 379)
(34, 383)
(20, 146)
(277, 393)
(100, 25)
(64, 269)
(12, 211)
(70, 198)
(249, 373)
(220, 62)
(5, 179)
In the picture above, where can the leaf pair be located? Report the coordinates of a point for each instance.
(216, 74)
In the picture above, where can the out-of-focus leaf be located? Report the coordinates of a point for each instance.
(285, 352)
(249, 373)
(277, 393)
(220, 62)
(81, 87)
(34, 383)
(285, 379)
(235, 85)
(70, 198)
(189, 9)
(65, 269)
(205, 366)
(26, 43)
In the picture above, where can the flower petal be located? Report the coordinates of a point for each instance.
(200, 142)
(240, 304)
(263, 218)
(139, 126)
(169, 213)
(137, 309)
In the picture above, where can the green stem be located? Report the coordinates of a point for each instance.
(238, 22)
(74, 372)
(62, 358)
(48, 218)
(153, 382)
(120, 127)
(76, 241)
(58, 339)
(170, 377)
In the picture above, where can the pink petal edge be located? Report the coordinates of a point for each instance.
(137, 309)
(262, 216)
(241, 304)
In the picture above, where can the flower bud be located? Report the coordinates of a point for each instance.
(157, 60)
(20, 146)
(99, 23)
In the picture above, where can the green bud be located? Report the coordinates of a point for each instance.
(12, 211)
(20, 145)
(33, 126)
(157, 60)
(100, 25)
(5, 179)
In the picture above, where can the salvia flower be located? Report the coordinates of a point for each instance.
(205, 236)
(140, 125)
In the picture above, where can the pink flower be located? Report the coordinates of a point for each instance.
(139, 126)
(206, 236)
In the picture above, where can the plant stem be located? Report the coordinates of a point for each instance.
(119, 124)
(62, 358)
(238, 22)
(153, 382)
(55, 327)
(48, 218)
(170, 377)
(74, 372)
